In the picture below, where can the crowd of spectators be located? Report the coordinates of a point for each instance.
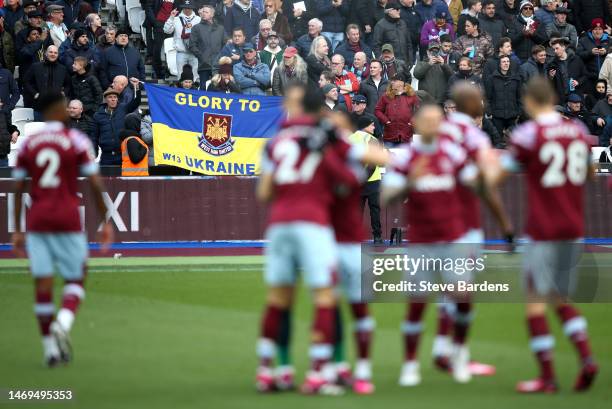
(362, 53)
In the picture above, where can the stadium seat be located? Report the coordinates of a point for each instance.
(596, 153)
(21, 116)
(28, 129)
(170, 53)
(20, 102)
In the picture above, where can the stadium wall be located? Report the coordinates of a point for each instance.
(224, 209)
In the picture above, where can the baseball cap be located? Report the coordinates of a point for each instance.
(273, 34)
(441, 13)
(392, 5)
(359, 99)
(434, 44)
(290, 52)
(386, 47)
(574, 98)
(364, 121)
(248, 47)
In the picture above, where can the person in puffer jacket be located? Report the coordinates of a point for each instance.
(242, 14)
(121, 59)
(395, 110)
(85, 87)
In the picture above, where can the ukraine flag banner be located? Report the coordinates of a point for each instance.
(209, 132)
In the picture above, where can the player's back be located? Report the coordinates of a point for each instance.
(304, 178)
(555, 153)
(460, 129)
(53, 159)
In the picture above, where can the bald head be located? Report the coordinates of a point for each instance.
(468, 99)
(119, 83)
(52, 53)
(427, 121)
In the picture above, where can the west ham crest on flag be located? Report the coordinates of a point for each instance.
(216, 134)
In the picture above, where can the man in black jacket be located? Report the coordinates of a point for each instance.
(79, 120)
(48, 75)
(298, 17)
(374, 86)
(587, 10)
(526, 30)
(85, 87)
(121, 59)
(566, 70)
(207, 39)
(9, 93)
(156, 14)
(393, 30)
(491, 23)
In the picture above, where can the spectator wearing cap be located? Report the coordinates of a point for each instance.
(593, 48)
(393, 30)
(392, 65)
(252, 76)
(7, 48)
(360, 66)
(279, 22)
(561, 26)
(80, 120)
(75, 10)
(260, 40)
(503, 93)
(85, 86)
(433, 29)
(332, 101)
(491, 23)
(55, 22)
(394, 110)
(121, 59)
(371, 189)
(473, 9)
(317, 60)
(433, 73)
(234, 49)
(13, 12)
(427, 10)
(359, 112)
(224, 80)
(566, 70)
(79, 47)
(32, 52)
(272, 54)
(48, 75)
(292, 69)
(333, 14)
(206, 40)
(474, 44)
(180, 24)
(546, 11)
(353, 44)
(304, 42)
(346, 81)
(109, 120)
(28, 7)
(299, 13)
(33, 19)
(574, 109)
(409, 14)
(525, 31)
(157, 13)
(585, 11)
(375, 86)
(242, 14)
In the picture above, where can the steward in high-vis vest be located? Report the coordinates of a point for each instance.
(134, 151)
(371, 189)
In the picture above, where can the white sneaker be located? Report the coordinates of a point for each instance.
(411, 374)
(460, 361)
(63, 341)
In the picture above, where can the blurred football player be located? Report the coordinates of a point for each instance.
(54, 158)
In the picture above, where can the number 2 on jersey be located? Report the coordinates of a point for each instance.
(50, 160)
(556, 156)
(287, 152)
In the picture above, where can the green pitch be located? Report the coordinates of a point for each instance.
(180, 333)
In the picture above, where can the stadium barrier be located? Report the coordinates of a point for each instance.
(175, 209)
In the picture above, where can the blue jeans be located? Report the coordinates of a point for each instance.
(335, 38)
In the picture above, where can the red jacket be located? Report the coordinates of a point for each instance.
(396, 116)
(346, 78)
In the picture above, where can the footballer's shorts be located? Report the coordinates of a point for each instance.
(550, 267)
(300, 246)
(66, 251)
(349, 258)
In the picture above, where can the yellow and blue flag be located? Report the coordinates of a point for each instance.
(209, 132)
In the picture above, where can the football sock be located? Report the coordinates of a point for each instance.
(542, 343)
(284, 339)
(575, 328)
(270, 329)
(339, 355)
(364, 326)
(323, 337)
(463, 317)
(44, 310)
(411, 328)
(74, 293)
(445, 320)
